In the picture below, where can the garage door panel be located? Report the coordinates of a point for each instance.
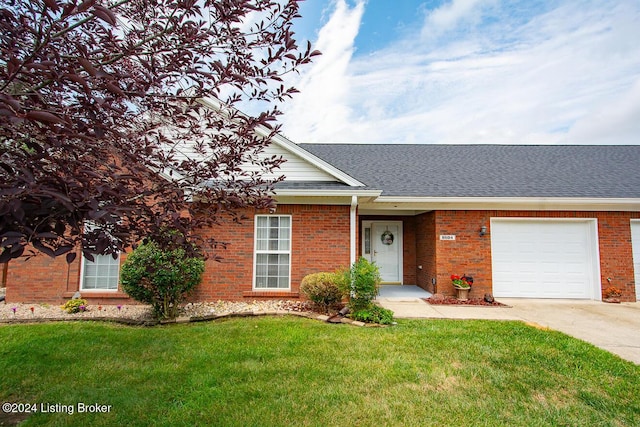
(543, 258)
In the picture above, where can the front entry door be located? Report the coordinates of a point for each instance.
(386, 245)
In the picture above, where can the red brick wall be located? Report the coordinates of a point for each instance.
(468, 254)
(471, 254)
(426, 251)
(320, 242)
(41, 279)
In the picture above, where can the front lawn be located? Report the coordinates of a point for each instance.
(271, 371)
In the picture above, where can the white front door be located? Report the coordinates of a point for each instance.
(386, 250)
(635, 243)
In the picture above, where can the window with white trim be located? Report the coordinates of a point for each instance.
(272, 252)
(102, 274)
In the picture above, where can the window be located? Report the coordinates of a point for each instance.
(102, 274)
(272, 252)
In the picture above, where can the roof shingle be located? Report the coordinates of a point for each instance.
(611, 171)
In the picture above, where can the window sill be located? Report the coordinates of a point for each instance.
(97, 294)
(271, 294)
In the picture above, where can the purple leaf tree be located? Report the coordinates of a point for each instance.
(102, 118)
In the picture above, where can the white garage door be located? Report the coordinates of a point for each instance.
(635, 242)
(544, 258)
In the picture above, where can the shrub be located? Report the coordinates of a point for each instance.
(323, 289)
(74, 305)
(374, 314)
(364, 278)
(161, 278)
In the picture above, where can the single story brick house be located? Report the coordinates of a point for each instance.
(524, 221)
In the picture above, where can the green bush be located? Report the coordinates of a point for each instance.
(374, 314)
(364, 278)
(74, 305)
(161, 278)
(323, 289)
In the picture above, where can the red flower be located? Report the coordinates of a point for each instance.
(455, 277)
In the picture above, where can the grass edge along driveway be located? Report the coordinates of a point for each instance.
(271, 371)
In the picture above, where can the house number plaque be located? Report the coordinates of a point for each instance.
(447, 237)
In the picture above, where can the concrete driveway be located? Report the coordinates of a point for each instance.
(612, 327)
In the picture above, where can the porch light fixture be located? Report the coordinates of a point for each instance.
(483, 230)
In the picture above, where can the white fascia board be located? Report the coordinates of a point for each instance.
(289, 145)
(327, 193)
(323, 197)
(506, 203)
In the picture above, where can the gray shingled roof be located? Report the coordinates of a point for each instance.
(489, 170)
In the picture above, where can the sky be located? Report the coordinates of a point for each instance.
(468, 72)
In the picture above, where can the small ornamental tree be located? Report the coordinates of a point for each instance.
(104, 118)
(364, 279)
(161, 277)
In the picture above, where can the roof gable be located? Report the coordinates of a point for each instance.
(300, 165)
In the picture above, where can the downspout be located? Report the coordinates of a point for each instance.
(353, 229)
(353, 224)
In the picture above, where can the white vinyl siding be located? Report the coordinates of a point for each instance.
(102, 274)
(272, 264)
(295, 168)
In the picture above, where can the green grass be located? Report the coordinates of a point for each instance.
(297, 372)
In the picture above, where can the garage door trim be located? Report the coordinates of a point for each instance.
(593, 288)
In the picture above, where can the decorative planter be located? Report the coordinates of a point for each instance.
(462, 293)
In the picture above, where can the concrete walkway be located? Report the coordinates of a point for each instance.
(612, 327)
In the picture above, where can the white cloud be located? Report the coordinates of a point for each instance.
(450, 15)
(564, 74)
(322, 109)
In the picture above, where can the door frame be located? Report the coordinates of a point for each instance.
(367, 247)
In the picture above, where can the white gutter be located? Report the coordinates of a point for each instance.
(327, 193)
(484, 203)
(353, 228)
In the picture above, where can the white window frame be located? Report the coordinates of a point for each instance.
(98, 258)
(257, 252)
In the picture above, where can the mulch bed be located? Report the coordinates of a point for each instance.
(470, 301)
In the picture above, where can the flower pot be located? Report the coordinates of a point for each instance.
(462, 293)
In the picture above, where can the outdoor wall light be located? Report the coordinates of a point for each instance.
(483, 230)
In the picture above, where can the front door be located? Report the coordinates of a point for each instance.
(386, 250)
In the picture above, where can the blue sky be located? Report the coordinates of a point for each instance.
(468, 72)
